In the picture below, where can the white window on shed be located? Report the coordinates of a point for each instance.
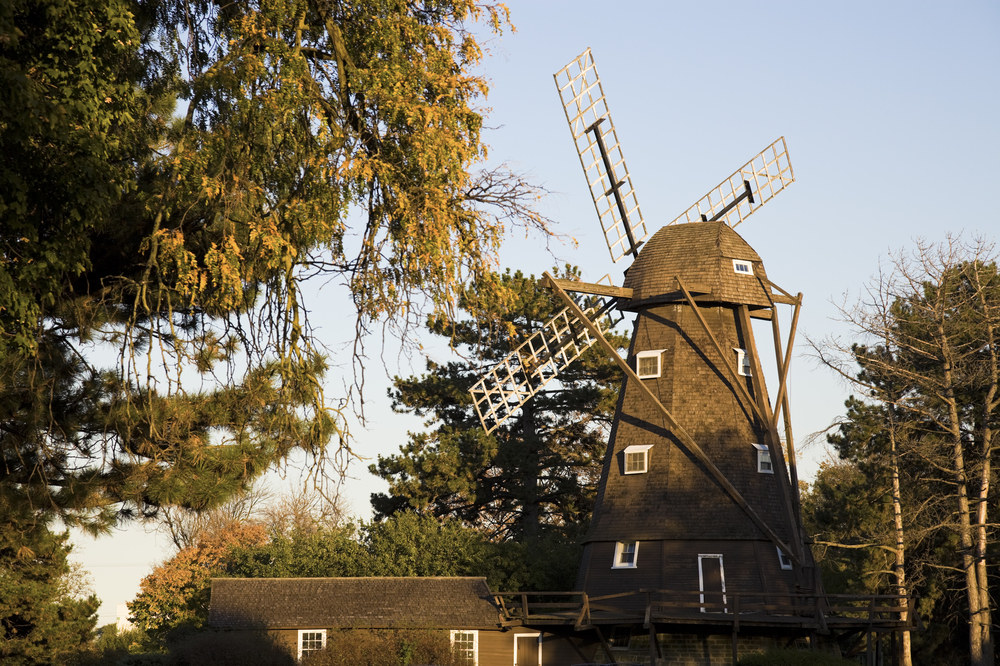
(465, 644)
(311, 640)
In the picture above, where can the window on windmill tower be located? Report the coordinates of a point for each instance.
(626, 555)
(647, 363)
(742, 267)
(764, 465)
(786, 562)
(742, 362)
(620, 637)
(637, 458)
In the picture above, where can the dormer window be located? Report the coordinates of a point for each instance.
(764, 465)
(742, 362)
(626, 554)
(742, 267)
(637, 458)
(647, 364)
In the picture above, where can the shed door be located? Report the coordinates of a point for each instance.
(713, 582)
(526, 650)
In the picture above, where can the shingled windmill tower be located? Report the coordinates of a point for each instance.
(695, 495)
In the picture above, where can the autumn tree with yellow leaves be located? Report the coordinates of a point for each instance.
(171, 173)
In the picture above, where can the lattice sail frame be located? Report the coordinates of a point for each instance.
(584, 103)
(769, 172)
(505, 387)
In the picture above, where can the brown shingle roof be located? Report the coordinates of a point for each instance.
(699, 253)
(288, 603)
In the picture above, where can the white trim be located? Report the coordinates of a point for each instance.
(617, 563)
(741, 267)
(764, 455)
(321, 632)
(638, 448)
(742, 362)
(784, 560)
(537, 637)
(649, 353)
(475, 642)
(722, 577)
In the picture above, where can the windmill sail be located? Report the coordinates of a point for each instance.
(601, 156)
(505, 387)
(766, 174)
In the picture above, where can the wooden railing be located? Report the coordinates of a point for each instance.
(653, 605)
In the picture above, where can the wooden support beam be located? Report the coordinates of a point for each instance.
(607, 647)
(784, 363)
(734, 377)
(773, 442)
(679, 432)
(590, 288)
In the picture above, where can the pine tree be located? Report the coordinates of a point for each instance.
(537, 472)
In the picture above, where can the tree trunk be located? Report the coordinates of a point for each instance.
(531, 508)
(980, 653)
(900, 551)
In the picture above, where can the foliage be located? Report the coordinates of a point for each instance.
(928, 363)
(177, 592)
(536, 472)
(111, 647)
(42, 620)
(320, 137)
(230, 648)
(792, 657)
(386, 647)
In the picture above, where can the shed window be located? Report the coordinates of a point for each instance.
(647, 363)
(465, 645)
(637, 458)
(626, 554)
(742, 267)
(786, 562)
(764, 465)
(311, 640)
(742, 362)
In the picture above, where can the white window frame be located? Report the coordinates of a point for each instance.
(638, 448)
(321, 632)
(475, 642)
(742, 362)
(619, 548)
(649, 353)
(738, 263)
(784, 560)
(764, 454)
(722, 577)
(538, 640)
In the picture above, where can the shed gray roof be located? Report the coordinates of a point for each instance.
(375, 603)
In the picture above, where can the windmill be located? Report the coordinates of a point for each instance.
(694, 494)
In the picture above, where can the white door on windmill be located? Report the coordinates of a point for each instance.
(712, 583)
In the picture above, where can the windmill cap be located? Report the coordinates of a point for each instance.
(709, 257)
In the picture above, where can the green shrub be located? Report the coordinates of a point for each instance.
(229, 648)
(395, 647)
(792, 657)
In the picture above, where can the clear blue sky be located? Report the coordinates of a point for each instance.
(891, 111)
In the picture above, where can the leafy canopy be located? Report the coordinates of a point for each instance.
(155, 346)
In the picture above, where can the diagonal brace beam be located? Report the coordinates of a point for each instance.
(733, 377)
(675, 427)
